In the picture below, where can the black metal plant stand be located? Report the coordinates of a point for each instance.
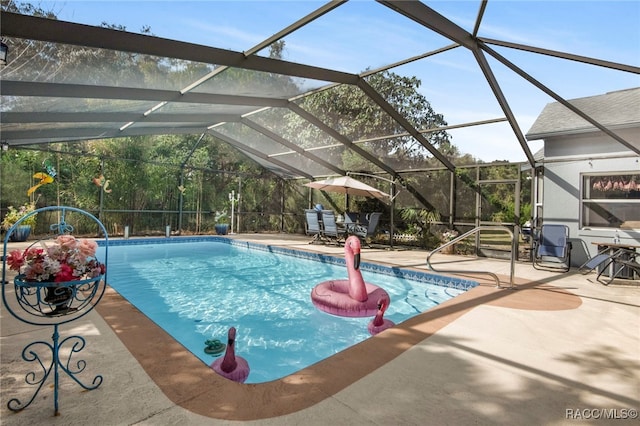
(53, 304)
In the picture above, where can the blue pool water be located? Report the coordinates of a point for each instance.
(197, 290)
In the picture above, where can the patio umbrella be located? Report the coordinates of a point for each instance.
(348, 185)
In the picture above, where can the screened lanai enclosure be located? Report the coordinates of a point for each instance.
(229, 108)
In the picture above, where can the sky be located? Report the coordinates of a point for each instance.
(363, 34)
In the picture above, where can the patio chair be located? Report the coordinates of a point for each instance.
(312, 227)
(552, 249)
(331, 231)
(364, 232)
(350, 217)
(596, 261)
(363, 219)
(350, 222)
(623, 263)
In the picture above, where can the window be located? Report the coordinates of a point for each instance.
(611, 201)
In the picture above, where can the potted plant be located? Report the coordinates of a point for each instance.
(222, 225)
(22, 232)
(445, 237)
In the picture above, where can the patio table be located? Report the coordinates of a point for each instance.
(626, 250)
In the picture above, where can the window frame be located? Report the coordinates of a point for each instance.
(589, 183)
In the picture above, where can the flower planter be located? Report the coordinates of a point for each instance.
(449, 249)
(55, 298)
(46, 298)
(57, 283)
(21, 233)
(56, 279)
(222, 229)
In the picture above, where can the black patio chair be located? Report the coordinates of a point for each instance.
(364, 232)
(350, 218)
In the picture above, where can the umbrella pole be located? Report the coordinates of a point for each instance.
(393, 203)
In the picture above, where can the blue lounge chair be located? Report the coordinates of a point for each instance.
(312, 227)
(596, 261)
(330, 229)
(552, 249)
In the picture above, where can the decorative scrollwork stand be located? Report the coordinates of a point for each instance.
(53, 304)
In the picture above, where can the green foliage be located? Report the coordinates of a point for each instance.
(221, 217)
(13, 215)
(419, 223)
(17, 172)
(525, 213)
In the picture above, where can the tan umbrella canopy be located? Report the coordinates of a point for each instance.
(348, 185)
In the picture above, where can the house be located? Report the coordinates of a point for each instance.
(585, 178)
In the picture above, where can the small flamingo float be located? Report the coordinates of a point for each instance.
(231, 366)
(379, 323)
(351, 297)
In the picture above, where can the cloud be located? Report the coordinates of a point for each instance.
(221, 34)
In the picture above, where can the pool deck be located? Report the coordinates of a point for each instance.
(557, 347)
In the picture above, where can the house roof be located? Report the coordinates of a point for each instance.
(619, 109)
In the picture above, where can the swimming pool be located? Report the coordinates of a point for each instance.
(196, 288)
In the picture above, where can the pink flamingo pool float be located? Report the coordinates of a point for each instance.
(231, 366)
(352, 297)
(379, 323)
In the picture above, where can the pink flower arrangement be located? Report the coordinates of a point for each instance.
(68, 259)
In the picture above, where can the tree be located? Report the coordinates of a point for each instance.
(352, 113)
